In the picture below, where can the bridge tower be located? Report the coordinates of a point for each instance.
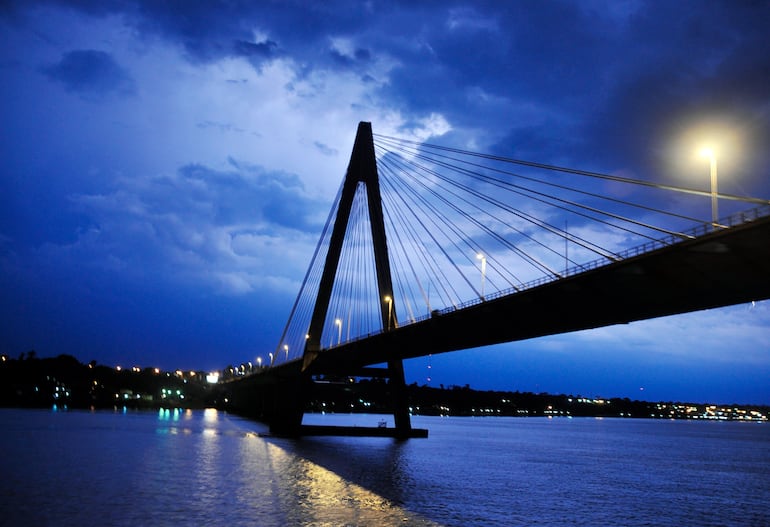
(362, 169)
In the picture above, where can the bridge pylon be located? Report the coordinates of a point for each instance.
(362, 169)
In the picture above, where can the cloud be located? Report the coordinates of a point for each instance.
(467, 18)
(262, 50)
(696, 66)
(234, 230)
(695, 339)
(216, 174)
(346, 55)
(90, 72)
(222, 127)
(256, 52)
(325, 149)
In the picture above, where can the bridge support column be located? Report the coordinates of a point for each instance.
(362, 169)
(287, 402)
(397, 385)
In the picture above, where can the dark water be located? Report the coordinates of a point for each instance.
(209, 468)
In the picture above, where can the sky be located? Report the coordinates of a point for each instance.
(167, 167)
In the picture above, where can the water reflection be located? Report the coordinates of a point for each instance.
(207, 469)
(210, 415)
(225, 468)
(311, 494)
(110, 468)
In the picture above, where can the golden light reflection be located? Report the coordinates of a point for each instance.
(314, 495)
(210, 415)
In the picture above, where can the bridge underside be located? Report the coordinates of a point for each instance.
(725, 267)
(277, 397)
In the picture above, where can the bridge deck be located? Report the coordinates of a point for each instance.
(725, 267)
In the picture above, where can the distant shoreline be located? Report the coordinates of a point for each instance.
(63, 381)
(159, 408)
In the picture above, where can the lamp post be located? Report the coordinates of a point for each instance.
(286, 349)
(259, 362)
(338, 323)
(709, 153)
(390, 309)
(271, 358)
(483, 271)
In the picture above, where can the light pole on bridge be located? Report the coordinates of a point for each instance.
(338, 323)
(390, 310)
(711, 155)
(483, 271)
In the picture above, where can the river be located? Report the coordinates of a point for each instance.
(177, 467)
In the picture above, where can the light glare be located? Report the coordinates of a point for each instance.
(707, 152)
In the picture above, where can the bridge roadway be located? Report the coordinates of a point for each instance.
(724, 267)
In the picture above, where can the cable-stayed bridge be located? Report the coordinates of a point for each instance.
(431, 249)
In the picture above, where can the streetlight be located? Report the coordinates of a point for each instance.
(711, 155)
(259, 362)
(271, 358)
(483, 271)
(338, 323)
(390, 309)
(286, 349)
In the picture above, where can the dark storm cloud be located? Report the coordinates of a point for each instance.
(90, 72)
(530, 50)
(209, 31)
(510, 51)
(703, 67)
(605, 84)
(629, 86)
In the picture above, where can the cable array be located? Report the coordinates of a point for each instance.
(462, 225)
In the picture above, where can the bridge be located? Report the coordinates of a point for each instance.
(466, 224)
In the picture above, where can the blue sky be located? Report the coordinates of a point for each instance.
(168, 167)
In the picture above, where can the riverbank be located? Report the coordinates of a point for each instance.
(64, 381)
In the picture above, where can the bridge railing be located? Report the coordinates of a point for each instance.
(730, 221)
(724, 223)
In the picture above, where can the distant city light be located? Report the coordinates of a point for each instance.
(212, 378)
